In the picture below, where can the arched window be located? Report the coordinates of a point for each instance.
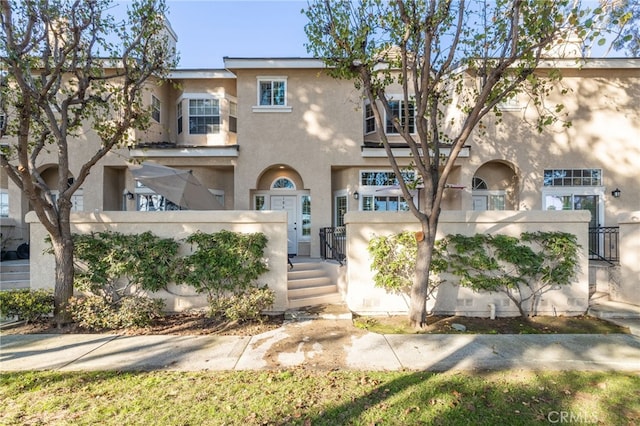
(478, 183)
(283, 183)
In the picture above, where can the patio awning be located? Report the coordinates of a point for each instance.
(178, 186)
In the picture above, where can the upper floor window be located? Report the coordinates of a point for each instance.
(179, 115)
(369, 120)
(272, 92)
(573, 177)
(155, 108)
(233, 117)
(204, 116)
(405, 112)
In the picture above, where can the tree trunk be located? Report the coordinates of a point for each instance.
(420, 288)
(63, 254)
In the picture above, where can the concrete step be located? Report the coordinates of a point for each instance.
(14, 266)
(332, 311)
(607, 309)
(309, 285)
(14, 274)
(306, 273)
(313, 291)
(315, 300)
(15, 284)
(598, 296)
(308, 282)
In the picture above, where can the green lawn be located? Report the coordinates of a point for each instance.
(319, 398)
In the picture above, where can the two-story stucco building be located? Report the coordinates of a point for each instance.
(281, 134)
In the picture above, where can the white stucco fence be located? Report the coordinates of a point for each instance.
(628, 290)
(177, 225)
(364, 298)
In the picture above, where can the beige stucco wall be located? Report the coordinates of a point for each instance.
(177, 225)
(628, 290)
(602, 107)
(364, 297)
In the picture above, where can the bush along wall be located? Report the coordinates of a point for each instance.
(521, 268)
(116, 272)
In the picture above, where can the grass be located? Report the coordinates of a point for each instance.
(304, 397)
(582, 324)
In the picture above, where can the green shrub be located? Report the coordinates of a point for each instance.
(243, 306)
(521, 268)
(114, 265)
(29, 305)
(96, 313)
(223, 263)
(393, 258)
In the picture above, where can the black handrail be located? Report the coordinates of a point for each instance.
(332, 243)
(604, 243)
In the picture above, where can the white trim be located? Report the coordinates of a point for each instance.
(599, 191)
(201, 151)
(406, 152)
(198, 95)
(200, 73)
(265, 108)
(262, 63)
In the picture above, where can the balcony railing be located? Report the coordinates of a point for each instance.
(332, 243)
(603, 243)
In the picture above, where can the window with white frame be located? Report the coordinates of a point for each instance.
(379, 190)
(484, 199)
(4, 203)
(574, 189)
(369, 120)
(259, 202)
(404, 111)
(306, 215)
(155, 108)
(283, 183)
(341, 209)
(77, 199)
(572, 177)
(147, 200)
(179, 116)
(233, 117)
(272, 91)
(204, 116)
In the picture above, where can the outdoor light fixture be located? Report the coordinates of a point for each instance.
(616, 193)
(129, 195)
(356, 195)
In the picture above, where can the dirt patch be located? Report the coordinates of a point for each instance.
(193, 323)
(186, 323)
(582, 324)
(319, 344)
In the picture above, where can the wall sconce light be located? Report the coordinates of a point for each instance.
(616, 193)
(356, 195)
(129, 195)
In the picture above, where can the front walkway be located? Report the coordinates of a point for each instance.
(321, 344)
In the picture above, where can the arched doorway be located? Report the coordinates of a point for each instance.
(280, 187)
(494, 187)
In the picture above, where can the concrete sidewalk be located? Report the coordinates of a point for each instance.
(339, 346)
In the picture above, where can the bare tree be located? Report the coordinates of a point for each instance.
(71, 65)
(454, 62)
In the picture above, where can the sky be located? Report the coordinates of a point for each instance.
(208, 30)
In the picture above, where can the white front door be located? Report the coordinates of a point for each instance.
(288, 203)
(479, 202)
